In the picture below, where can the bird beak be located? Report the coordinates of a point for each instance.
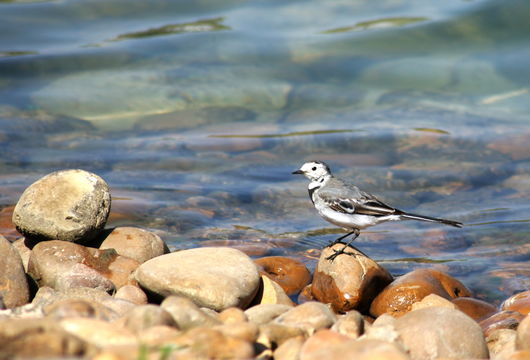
(297, 172)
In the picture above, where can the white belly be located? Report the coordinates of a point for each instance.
(352, 221)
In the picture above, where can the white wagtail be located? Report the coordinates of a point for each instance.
(346, 206)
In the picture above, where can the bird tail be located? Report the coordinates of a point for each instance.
(431, 219)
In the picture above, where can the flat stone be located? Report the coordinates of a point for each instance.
(68, 205)
(519, 302)
(14, 289)
(349, 282)
(135, 243)
(216, 278)
(474, 308)
(264, 313)
(271, 292)
(98, 332)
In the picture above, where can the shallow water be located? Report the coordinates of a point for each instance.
(196, 113)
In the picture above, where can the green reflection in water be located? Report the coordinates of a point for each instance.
(432, 130)
(294, 133)
(378, 24)
(206, 25)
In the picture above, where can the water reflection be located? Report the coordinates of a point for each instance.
(197, 113)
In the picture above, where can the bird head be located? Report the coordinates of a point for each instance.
(314, 170)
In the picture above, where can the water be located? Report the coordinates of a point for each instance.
(196, 113)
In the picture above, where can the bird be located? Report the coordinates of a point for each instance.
(345, 205)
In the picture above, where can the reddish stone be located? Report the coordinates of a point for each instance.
(7, 228)
(501, 320)
(289, 273)
(474, 308)
(397, 298)
(519, 302)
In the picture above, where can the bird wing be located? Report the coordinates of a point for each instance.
(358, 203)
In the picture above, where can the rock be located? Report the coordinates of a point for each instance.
(501, 343)
(290, 274)
(225, 277)
(519, 302)
(383, 328)
(398, 297)
(186, 314)
(134, 243)
(46, 295)
(143, 317)
(23, 250)
(242, 330)
(306, 294)
(27, 338)
(99, 333)
(64, 265)
(309, 317)
(367, 349)
(72, 308)
(522, 341)
(157, 335)
(271, 293)
(349, 282)
(290, 349)
(432, 300)
(232, 315)
(14, 288)
(437, 332)
(131, 293)
(350, 324)
(501, 320)
(474, 308)
(264, 313)
(273, 334)
(68, 205)
(207, 343)
(320, 341)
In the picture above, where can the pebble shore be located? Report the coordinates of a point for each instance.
(70, 288)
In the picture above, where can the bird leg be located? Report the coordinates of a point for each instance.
(332, 257)
(339, 239)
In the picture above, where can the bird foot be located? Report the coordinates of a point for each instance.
(339, 252)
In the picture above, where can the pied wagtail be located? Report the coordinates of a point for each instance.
(346, 206)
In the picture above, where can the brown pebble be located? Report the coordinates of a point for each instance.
(232, 315)
(519, 302)
(131, 293)
(398, 297)
(501, 320)
(290, 274)
(474, 308)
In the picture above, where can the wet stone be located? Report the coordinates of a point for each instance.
(225, 278)
(502, 320)
(349, 282)
(519, 302)
(398, 297)
(80, 201)
(14, 288)
(289, 273)
(135, 243)
(474, 308)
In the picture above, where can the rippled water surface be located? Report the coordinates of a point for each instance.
(196, 113)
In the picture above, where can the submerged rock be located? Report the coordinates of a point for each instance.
(68, 205)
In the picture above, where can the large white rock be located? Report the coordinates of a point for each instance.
(212, 277)
(69, 205)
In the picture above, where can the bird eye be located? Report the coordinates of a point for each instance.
(314, 168)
